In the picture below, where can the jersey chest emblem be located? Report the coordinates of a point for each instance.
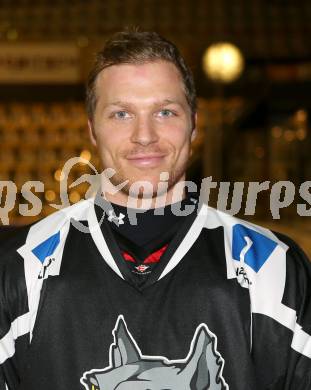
(129, 369)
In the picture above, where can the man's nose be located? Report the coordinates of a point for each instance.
(144, 132)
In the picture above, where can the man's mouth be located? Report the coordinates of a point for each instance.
(146, 160)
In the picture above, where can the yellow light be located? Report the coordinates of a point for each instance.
(50, 195)
(276, 132)
(289, 135)
(58, 175)
(74, 196)
(301, 134)
(301, 116)
(86, 154)
(223, 62)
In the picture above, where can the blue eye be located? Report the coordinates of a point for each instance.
(166, 113)
(121, 114)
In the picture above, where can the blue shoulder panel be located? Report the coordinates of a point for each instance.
(260, 250)
(47, 247)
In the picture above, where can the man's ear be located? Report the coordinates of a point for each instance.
(92, 134)
(194, 127)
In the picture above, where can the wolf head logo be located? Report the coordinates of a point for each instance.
(130, 370)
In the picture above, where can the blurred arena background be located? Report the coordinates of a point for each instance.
(253, 116)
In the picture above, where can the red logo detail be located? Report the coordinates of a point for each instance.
(155, 256)
(128, 257)
(142, 268)
(151, 259)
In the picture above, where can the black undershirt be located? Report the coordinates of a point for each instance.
(143, 243)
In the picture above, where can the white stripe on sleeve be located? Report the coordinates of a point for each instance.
(19, 327)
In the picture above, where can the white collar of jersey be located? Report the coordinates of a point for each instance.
(59, 223)
(180, 252)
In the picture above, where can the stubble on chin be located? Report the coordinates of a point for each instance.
(153, 189)
(132, 188)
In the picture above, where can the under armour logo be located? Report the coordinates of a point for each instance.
(113, 218)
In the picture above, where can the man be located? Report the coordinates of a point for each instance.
(198, 300)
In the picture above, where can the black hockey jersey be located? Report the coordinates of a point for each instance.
(228, 307)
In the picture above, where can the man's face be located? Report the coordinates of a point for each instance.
(142, 123)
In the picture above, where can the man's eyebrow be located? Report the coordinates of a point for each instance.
(167, 101)
(128, 104)
(119, 103)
